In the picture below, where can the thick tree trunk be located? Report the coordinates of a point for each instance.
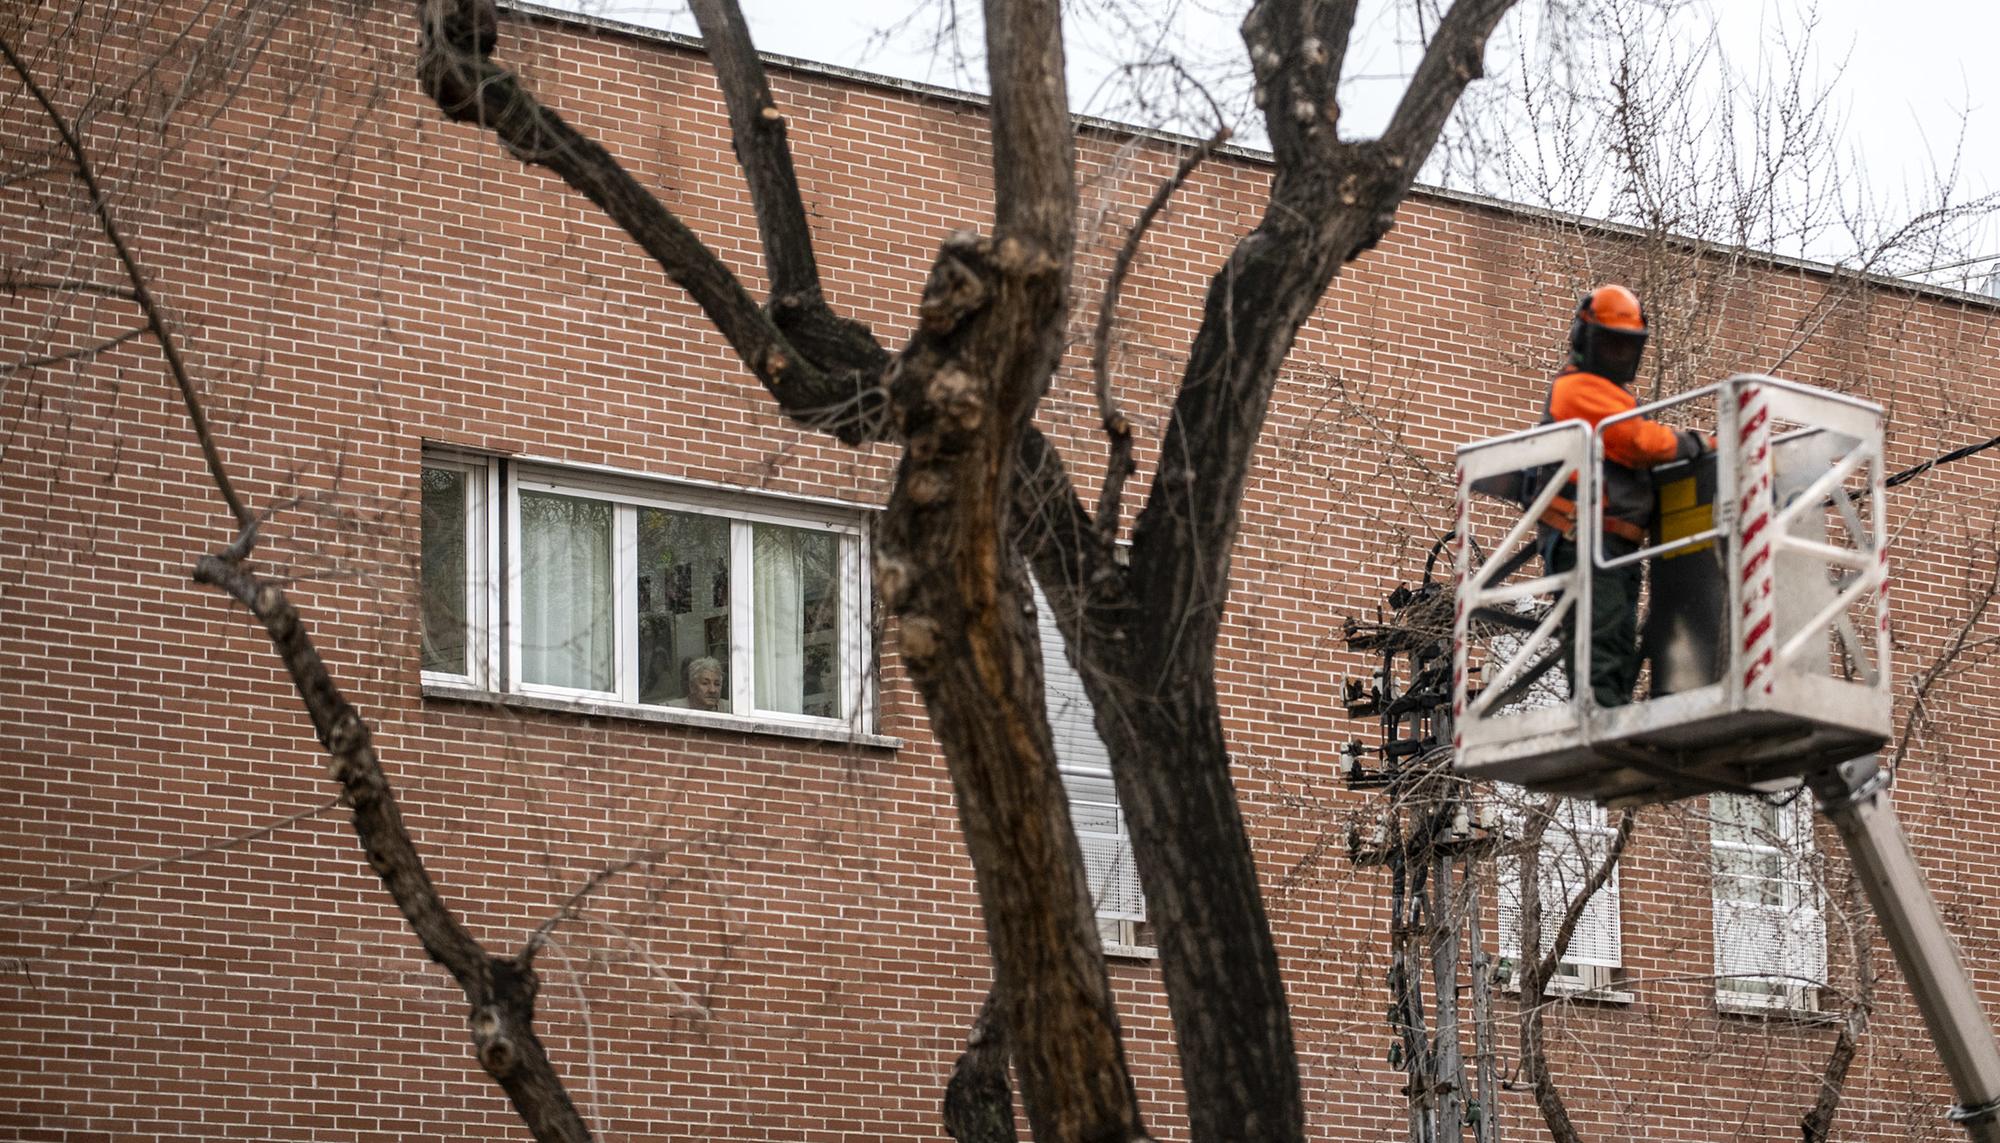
(1232, 1026)
(979, 1102)
(945, 564)
(991, 331)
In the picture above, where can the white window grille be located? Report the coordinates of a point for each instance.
(1770, 932)
(616, 590)
(1575, 843)
(1093, 802)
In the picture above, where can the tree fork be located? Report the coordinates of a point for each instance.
(500, 990)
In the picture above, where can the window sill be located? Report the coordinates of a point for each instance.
(1572, 990)
(1776, 1009)
(840, 734)
(1131, 952)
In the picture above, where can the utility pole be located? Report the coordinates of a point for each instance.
(1425, 836)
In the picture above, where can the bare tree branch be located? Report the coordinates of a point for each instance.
(1817, 1123)
(1456, 57)
(97, 884)
(1296, 52)
(1579, 902)
(469, 88)
(501, 990)
(155, 318)
(1981, 598)
(13, 283)
(1034, 148)
(572, 906)
(759, 133)
(1116, 426)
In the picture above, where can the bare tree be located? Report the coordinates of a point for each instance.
(980, 498)
(977, 484)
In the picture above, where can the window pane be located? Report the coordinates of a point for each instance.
(683, 610)
(442, 588)
(1744, 820)
(796, 612)
(1755, 877)
(566, 592)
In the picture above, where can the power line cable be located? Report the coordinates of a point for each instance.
(1937, 461)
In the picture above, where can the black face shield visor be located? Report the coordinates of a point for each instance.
(1610, 353)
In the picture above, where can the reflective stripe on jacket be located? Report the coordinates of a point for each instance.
(1630, 447)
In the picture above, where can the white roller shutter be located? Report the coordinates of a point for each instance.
(1576, 843)
(1086, 774)
(1770, 934)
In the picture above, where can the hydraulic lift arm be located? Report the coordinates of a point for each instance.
(1855, 797)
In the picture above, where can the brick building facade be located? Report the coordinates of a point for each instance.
(452, 370)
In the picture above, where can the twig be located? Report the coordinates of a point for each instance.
(1961, 642)
(1116, 425)
(33, 363)
(544, 934)
(223, 846)
(596, 1085)
(155, 317)
(1573, 912)
(14, 284)
(688, 1005)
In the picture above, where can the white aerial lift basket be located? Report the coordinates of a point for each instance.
(1766, 624)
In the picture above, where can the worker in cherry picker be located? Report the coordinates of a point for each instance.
(1606, 341)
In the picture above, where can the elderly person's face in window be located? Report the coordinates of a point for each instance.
(705, 688)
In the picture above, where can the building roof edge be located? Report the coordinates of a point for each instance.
(971, 99)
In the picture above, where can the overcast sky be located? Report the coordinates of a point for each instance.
(1914, 83)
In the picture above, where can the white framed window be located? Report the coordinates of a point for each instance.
(458, 599)
(1575, 843)
(1093, 801)
(1770, 931)
(617, 590)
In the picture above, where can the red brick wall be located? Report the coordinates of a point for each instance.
(355, 278)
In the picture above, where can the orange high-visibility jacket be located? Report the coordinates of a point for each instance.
(1630, 446)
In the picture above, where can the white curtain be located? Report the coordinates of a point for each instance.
(779, 614)
(566, 638)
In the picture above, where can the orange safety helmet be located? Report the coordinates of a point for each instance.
(1609, 334)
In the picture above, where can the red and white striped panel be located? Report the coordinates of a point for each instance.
(1754, 516)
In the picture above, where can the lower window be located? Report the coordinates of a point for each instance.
(641, 593)
(1770, 935)
(1575, 843)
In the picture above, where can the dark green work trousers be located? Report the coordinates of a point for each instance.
(1614, 620)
